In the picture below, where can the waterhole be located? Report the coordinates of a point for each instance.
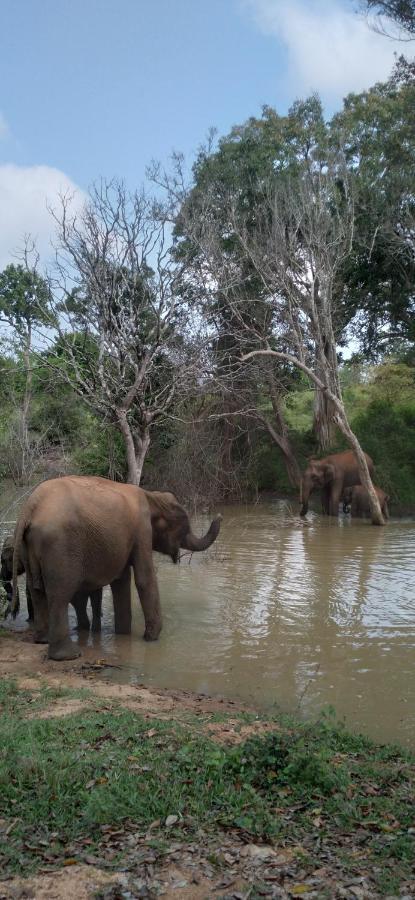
(288, 616)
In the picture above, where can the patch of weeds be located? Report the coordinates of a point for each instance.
(18, 702)
(63, 782)
(71, 776)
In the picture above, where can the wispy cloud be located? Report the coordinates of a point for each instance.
(25, 193)
(330, 48)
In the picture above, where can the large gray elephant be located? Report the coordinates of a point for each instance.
(79, 602)
(357, 500)
(331, 475)
(78, 533)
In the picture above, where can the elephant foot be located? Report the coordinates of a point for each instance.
(122, 628)
(96, 624)
(152, 632)
(40, 637)
(63, 650)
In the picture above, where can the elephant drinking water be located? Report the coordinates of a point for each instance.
(331, 475)
(79, 533)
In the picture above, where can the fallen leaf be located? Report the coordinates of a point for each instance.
(256, 851)
(171, 820)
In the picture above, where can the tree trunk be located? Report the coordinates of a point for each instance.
(27, 399)
(376, 512)
(324, 409)
(326, 367)
(142, 443)
(132, 472)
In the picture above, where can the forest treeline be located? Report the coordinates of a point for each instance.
(214, 328)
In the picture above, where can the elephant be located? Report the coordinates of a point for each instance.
(357, 500)
(78, 533)
(79, 602)
(332, 474)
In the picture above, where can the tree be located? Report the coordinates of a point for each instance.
(377, 132)
(24, 300)
(233, 177)
(292, 239)
(121, 322)
(401, 12)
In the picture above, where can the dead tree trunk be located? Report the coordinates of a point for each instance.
(136, 447)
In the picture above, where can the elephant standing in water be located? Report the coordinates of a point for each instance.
(79, 602)
(357, 499)
(331, 475)
(78, 533)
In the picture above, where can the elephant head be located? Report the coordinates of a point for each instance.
(171, 527)
(317, 474)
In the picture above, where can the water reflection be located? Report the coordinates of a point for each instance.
(286, 614)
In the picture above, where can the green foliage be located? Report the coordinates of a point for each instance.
(387, 434)
(100, 450)
(24, 298)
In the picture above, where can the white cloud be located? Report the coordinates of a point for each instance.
(4, 128)
(330, 48)
(25, 193)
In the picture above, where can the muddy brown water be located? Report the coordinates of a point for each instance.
(286, 616)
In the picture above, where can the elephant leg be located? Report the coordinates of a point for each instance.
(60, 644)
(40, 615)
(96, 604)
(30, 610)
(121, 595)
(335, 494)
(325, 500)
(148, 592)
(79, 602)
(8, 587)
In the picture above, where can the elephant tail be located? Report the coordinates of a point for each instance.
(18, 538)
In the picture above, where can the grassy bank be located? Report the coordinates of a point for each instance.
(76, 788)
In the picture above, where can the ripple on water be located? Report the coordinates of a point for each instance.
(288, 614)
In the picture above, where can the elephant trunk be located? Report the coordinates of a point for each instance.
(304, 495)
(191, 542)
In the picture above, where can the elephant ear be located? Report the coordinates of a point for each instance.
(329, 473)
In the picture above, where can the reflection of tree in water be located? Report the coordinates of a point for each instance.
(269, 605)
(364, 667)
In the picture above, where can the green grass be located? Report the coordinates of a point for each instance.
(18, 703)
(62, 781)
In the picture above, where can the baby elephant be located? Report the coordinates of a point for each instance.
(79, 602)
(356, 499)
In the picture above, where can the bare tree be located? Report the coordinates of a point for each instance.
(303, 234)
(226, 299)
(121, 321)
(295, 239)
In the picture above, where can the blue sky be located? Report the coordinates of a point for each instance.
(93, 88)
